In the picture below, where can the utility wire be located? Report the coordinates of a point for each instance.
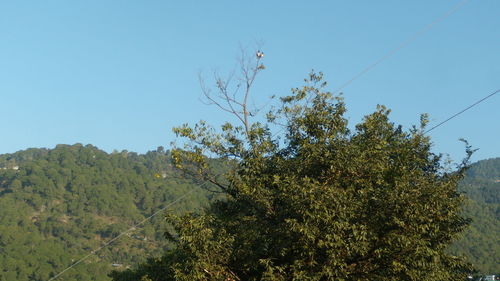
(463, 110)
(398, 48)
(402, 45)
(121, 234)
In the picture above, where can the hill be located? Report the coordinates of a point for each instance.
(59, 204)
(481, 242)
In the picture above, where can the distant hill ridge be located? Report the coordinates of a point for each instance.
(481, 242)
(58, 204)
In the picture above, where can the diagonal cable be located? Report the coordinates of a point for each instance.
(121, 234)
(463, 110)
(402, 45)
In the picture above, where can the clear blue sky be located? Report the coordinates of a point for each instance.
(120, 74)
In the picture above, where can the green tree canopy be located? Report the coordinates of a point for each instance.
(319, 201)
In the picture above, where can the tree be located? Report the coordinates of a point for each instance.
(320, 201)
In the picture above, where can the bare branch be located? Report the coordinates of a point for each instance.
(206, 92)
(227, 91)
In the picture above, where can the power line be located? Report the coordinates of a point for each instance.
(402, 45)
(121, 234)
(463, 110)
(398, 48)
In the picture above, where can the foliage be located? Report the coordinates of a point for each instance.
(59, 204)
(321, 202)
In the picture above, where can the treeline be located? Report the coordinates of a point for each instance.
(59, 204)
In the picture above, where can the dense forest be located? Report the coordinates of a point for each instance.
(481, 241)
(57, 205)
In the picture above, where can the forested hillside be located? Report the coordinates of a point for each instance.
(481, 242)
(59, 204)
